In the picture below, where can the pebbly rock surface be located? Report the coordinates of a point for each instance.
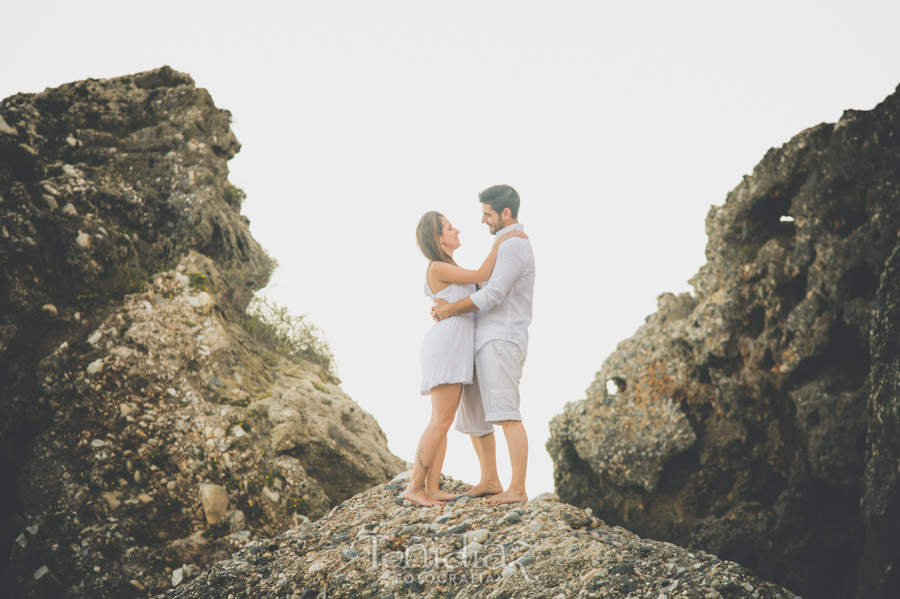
(377, 545)
(147, 432)
(735, 420)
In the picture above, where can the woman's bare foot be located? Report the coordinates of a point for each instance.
(488, 488)
(441, 495)
(508, 496)
(418, 495)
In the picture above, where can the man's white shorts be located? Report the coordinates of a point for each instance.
(493, 395)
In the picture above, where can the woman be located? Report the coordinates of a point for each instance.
(447, 352)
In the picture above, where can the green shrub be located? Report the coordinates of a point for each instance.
(235, 195)
(199, 281)
(216, 531)
(286, 334)
(296, 505)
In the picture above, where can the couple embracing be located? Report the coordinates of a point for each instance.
(472, 357)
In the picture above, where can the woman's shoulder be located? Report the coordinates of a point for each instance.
(440, 268)
(434, 269)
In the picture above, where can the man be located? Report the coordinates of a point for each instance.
(503, 313)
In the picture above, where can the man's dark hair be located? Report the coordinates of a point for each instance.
(499, 197)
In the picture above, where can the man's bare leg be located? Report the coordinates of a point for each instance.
(517, 441)
(486, 450)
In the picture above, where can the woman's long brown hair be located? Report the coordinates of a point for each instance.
(428, 237)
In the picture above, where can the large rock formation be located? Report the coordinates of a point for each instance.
(880, 572)
(377, 545)
(148, 429)
(735, 419)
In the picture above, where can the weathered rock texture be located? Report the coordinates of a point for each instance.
(377, 545)
(738, 418)
(880, 572)
(146, 431)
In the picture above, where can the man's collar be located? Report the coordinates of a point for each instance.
(509, 228)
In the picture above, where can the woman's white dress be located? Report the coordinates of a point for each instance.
(448, 351)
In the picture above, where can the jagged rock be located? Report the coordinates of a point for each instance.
(121, 407)
(44, 583)
(545, 497)
(879, 576)
(113, 150)
(735, 419)
(83, 240)
(215, 502)
(376, 545)
(236, 520)
(271, 496)
(5, 128)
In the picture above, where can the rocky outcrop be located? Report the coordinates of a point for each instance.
(148, 428)
(880, 572)
(735, 419)
(377, 545)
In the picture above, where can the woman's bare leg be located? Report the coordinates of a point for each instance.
(433, 480)
(444, 401)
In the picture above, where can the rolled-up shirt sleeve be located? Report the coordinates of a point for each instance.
(506, 271)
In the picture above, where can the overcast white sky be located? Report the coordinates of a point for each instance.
(619, 123)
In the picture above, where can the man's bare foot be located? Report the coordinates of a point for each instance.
(488, 488)
(508, 496)
(417, 495)
(441, 495)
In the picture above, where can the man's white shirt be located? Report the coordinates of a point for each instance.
(504, 302)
